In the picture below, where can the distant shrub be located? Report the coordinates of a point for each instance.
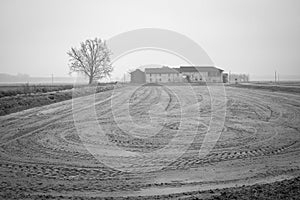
(27, 89)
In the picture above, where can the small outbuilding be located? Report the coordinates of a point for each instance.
(137, 76)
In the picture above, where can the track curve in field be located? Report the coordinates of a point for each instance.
(43, 154)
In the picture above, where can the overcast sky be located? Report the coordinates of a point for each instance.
(255, 37)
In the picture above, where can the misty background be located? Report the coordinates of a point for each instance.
(253, 37)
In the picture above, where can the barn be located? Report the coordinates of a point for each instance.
(201, 73)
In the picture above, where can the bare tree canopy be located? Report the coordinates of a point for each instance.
(92, 59)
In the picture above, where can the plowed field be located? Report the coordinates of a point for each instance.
(49, 151)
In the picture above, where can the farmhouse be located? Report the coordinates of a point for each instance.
(163, 75)
(183, 74)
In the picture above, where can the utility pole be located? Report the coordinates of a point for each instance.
(275, 76)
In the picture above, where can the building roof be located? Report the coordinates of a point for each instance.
(199, 69)
(137, 70)
(168, 70)
(162, 70)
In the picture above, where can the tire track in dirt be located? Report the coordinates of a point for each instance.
(58, 163)
(48, 122)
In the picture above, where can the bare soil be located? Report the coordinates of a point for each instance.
(20, 101)
(290, 87)
(43, 157)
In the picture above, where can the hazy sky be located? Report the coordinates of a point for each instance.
(252, 36)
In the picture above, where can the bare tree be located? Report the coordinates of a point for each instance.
(92, 59)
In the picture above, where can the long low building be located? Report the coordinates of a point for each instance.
(182, 74)
(163, 75)
(201, 74)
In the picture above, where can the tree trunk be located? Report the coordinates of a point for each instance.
(90, 80)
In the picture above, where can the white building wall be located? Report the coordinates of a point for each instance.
(194, 77)
(163, 78)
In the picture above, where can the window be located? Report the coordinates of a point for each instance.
(150, 75)
(169, 80)
(150, 79)
(160, 79)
